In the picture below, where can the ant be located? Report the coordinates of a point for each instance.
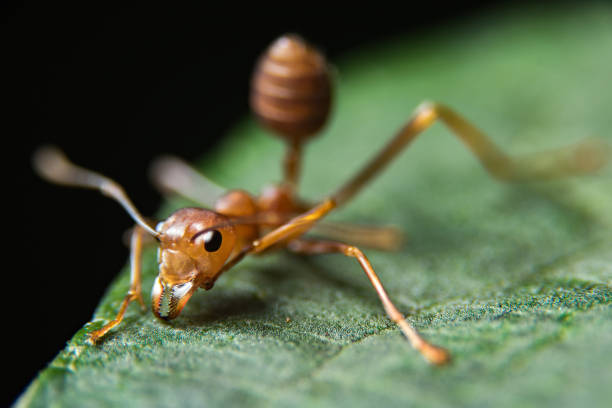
(291, 94)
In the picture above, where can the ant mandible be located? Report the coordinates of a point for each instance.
(291, 95)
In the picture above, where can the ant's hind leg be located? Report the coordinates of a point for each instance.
(583, 157)
(434, 354)
(135, 290)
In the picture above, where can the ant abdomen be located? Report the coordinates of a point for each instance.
(291, 89)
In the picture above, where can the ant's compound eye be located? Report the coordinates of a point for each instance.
(212, 240)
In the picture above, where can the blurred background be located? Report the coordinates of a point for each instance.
(116, 86)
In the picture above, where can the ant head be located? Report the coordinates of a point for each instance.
(194, 243)
(193, 246)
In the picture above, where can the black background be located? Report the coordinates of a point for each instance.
(116, 86)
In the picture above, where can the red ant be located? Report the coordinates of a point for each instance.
(291, 94)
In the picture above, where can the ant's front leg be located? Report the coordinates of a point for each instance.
(135, 290)
(432, 353)
(291, 230)
(53, 165)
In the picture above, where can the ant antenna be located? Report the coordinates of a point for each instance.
(173, 175)
(53, 165)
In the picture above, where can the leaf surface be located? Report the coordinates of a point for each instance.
(513, 279)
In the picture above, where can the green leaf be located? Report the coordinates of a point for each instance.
(513, 279)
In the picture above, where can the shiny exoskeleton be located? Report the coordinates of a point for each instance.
(291, 95)
(291, 89)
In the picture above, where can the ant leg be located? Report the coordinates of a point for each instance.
(434, 354)
(135, 291)
(294, 228)
(584, 157)
(381, 237)
(286, 232)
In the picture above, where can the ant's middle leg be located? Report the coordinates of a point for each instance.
(434, 354)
